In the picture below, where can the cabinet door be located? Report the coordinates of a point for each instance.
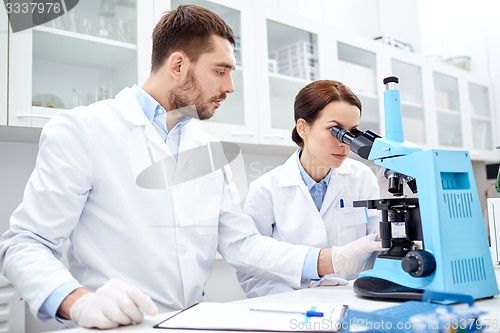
(88, 54)
(236, 119)
(4, 30)
(357, 67)
(288, 59)
(448, 109)
(412, 103)
(478, 105)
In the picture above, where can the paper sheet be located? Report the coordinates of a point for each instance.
(239, 317)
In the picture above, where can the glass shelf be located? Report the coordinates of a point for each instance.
(282, 89)
(449, 117)
(357, 68)
(369, 114)
(293, 63)
(410, 87)
(86, 55)
(479, 100)
(446, 92)
(450, 129)
(482, 138)
(72, 48)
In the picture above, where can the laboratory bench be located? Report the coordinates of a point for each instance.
(337, 294)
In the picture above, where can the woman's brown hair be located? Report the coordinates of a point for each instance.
(315, 97)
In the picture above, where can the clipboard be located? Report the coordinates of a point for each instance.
(214, 316)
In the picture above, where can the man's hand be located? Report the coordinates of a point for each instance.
(115, 303)
(356, 256)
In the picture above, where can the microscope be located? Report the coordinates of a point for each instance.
(445, 218)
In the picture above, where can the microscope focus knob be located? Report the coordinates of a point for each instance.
(419, 263)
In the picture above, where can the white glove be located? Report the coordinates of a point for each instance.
(356, 256)
(115, 303)
(329, 280)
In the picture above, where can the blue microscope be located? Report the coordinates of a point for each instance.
(446, 216)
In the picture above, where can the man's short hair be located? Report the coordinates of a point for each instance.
(189, 29)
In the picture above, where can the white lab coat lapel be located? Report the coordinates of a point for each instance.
(146, 147)
(332, 193)
(196, 202)
(304, 205)
(290, 176)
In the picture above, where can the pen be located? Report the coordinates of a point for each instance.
(343, 312)
(306, 313)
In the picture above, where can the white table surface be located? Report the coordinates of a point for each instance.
(344, 294)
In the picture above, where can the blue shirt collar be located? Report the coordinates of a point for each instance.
(152, 109)
(147, 103)
(305, 176)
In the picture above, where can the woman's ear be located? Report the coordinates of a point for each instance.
(302, 128)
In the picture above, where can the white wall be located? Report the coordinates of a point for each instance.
(369, 18)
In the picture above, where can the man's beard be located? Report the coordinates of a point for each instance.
(189, 95)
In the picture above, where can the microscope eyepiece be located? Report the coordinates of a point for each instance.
(393, 79)
(359, 142)
(342, 134)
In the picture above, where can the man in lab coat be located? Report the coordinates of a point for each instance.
(138, 191)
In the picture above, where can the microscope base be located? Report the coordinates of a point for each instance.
(379, 288)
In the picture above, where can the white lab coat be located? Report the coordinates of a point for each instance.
(162, 241)
(282, 207)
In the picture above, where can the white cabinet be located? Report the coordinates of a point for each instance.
(442, 106)
(478, 105)
(408, 68)
(235, 120)
(448, 109)
(461, 105)
(358, 66)
(4, 28)
(288, 59)
(88, 54)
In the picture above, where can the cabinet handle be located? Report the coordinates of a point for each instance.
(40, 116)
(274, 137)
(243, 134)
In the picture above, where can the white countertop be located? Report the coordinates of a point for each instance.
(337, 294)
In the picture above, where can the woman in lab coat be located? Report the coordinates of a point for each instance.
(308, 200)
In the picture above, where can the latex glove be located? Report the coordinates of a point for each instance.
(356, 256)
(115, 303)
(329, 280)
